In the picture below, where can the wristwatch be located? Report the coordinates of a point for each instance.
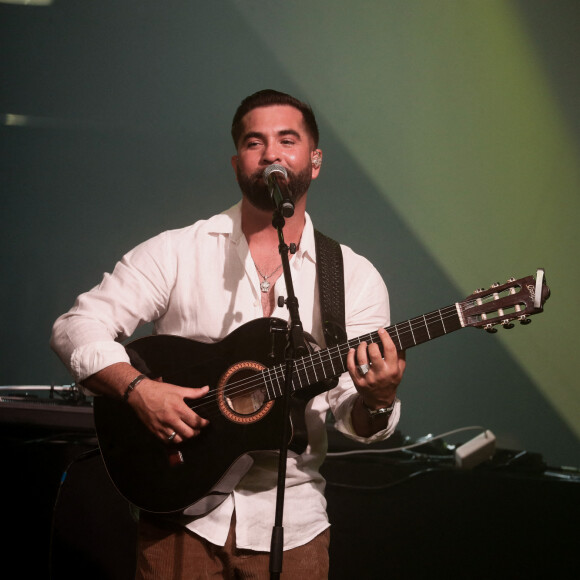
(373, 413)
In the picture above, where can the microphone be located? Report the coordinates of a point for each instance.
(276, 178)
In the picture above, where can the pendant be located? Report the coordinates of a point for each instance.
(265, 286)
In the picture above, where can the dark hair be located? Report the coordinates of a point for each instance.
(268, 98)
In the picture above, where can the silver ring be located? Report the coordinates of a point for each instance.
(172, 436)
(363, 369)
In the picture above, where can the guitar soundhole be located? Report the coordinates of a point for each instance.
(241, 393)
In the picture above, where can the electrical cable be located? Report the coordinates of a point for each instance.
(418, 443)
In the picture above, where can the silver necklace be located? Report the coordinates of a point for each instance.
(265, 285)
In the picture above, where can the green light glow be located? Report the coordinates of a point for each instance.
(448, 109)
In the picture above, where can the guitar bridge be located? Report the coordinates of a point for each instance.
(175, 457)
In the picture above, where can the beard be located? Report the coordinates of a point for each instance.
(256, 191)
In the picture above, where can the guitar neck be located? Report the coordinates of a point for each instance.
(418, 330)
(331, 362)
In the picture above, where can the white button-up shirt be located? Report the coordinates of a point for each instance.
(200, 282)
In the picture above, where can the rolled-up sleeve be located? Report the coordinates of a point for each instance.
(366, 310)
(87, 337)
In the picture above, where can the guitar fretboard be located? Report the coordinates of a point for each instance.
(331, 362)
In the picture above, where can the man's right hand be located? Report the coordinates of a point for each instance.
(161, 406)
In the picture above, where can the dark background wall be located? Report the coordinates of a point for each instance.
(450, 133)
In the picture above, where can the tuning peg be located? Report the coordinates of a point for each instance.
(507, 324)
(510, 280)
(490, 328)
(478, 290)
(525, 320)
(495, 285)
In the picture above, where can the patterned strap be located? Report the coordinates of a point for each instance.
(330, 270)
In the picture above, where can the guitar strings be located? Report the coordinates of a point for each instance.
(415, 326)
(309, 362)
(323, 358)
(317, 360)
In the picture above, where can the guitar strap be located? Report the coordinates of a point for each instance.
(330, 270)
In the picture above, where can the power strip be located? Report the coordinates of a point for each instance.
(475, 451)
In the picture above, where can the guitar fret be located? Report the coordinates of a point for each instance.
(314, 369)
(327, 364)
(297, 376)
(404, 342)
(426, 327)
(398, 337)
(368, 338)
(423, 330)
(307, 378)
(334, 373)
(304, 374)
(340, 358)
(277, 376)
(436, 324)
(266, 374)
(442, 322)
(412, 333)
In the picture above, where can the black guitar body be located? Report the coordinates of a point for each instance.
(201, 471)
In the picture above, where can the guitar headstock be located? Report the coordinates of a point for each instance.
(504, 303)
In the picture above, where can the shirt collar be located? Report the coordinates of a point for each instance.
(229, 223)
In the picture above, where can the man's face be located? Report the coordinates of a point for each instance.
(275, 134)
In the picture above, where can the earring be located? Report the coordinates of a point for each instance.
(316, 159)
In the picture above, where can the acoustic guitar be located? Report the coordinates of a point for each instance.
(245, 372)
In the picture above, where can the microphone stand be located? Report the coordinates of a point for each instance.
(295, 348)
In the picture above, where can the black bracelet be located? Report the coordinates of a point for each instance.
(132, 386)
